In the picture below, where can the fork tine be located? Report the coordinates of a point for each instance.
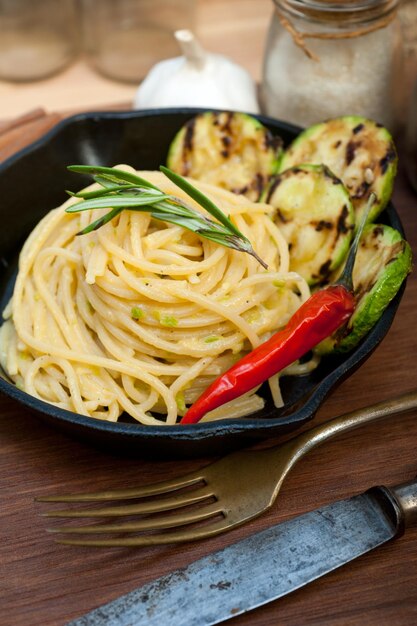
(141, 508)
(160, 523)
(153, 540)
(126, 494)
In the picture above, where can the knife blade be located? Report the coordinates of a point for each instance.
(265, 566)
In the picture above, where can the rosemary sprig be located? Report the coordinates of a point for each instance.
(125, 190)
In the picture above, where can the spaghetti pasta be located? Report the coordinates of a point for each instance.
(141, 315)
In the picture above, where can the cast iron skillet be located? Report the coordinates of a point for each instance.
(33, 181)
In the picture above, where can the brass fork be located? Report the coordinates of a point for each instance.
(229, 492)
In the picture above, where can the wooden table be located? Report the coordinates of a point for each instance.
(44, 584)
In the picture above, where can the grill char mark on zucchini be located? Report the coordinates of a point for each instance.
(322, 224)
(189, 135)
(362, 191)
(351, 148)
(187, 146)
(343, 223)
(325, 270)
(226, 141)
(390, 156)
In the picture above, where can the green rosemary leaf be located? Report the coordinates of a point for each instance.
(202, 200)
(173, 207)
(108, 184)
(111, 174)
(97, 193)
(101, 221)
(113, 201)
(190, 223)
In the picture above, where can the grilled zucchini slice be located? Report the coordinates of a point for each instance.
(230, 150)
(382, 263)
(359, 151)
(316, 217)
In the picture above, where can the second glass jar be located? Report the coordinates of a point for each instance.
(124, 39)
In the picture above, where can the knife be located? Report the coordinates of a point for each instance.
(267, 565)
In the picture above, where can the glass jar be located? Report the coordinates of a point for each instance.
(37, 38)
(326, 58)
(124, 39)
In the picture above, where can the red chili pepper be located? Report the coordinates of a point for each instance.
(323, 313)
(317, 318)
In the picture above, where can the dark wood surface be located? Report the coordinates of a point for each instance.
(45, 584)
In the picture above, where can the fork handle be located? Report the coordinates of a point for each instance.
(348, 421)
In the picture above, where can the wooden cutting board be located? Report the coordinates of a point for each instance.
(47, 584)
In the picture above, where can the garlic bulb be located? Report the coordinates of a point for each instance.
(197, 79)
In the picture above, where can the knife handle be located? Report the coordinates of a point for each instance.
(400, 504)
